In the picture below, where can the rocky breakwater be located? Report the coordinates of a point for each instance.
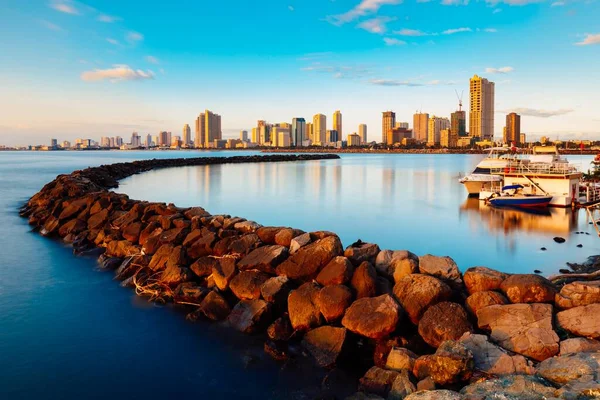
(413, 327)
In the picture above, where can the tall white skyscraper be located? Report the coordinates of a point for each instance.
(187, 133)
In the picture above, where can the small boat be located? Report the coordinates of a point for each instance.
(481, 179)
(512, 196)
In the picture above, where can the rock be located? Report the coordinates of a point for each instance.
(521, 387)
(284, 237)
(401, 267)
(223, 272)
(559, 240)
(416, 293)
(132, 232)
(190, 292)
(245, 244)
(214, 307)
(246, 285)
(333, 302)
(337, 272)
(444, 321)
(307, 262)
(364, 280)
(74, 208)
(402, 386)
(571, 367)
(265, 258)
(479, 300)
(195, 212)
(109, 263)
(229, 223)
(298, 242)
(152, 229)
(193, 236)
(122, 248)
(267, 233)
(318, 235)
(174, 274)
(522, 328)
(276, 290)
(443, 268)
(98, 220)
(383, 261)
(130, 266)
(586, 390)
(435, 395)
(160, 258)
(364, 396)
(578, 294)
(579, 345)
(250, 316)
(383, 348)
(372, 317)
(281, 329)
(378, 381)
(426, 384)
(482, 279)
(325, 344)
(302, 307)
(400, 359)
(202, 246)
(528, 288)
(74, 226)
(581, 321)
(493, 360)
(247, 226)
(451, 363)
(360, 252)
(203, 266)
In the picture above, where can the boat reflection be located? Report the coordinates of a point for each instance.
(507, 220)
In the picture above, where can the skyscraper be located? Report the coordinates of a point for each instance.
(310, 133)
(200, 136)
(458, 123)
(187, 133)
(319, 128)
(388, 122)
(362, 132)
(244, 136)
(255, 135)
(513, 128)
(298, 132)
(337, 122)
(436, 125)
(208, 128)
(481, 113)
(148, 140)
(420, 127)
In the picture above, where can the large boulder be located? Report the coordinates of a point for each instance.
(202, 246)
(223, 272)
(333, 302)
(284, 237)
(522, 328)
(160, 258)
(378, 381)
(372, 317)
(481, 279)
(337, 272)
(267, 233)
(175, 274)
(451, 363)
(203, 266)
(441, 394)
(250, 316)
(400, 358)
(443, 268)
(402, 386)
(521, 387)
(246, 285)
(276, 290)
(265, 258)
(245, 244)
(528, 288)
(325, 344)
(298, 242)
(132, 232)
(189, 292)
(571, 367)
(579, 345)
(444, 321)
(396, 263)
(73, 226)
(479, 300)
(214, 307)
(303, 308)
(281, 330)
(581, 321)
(579, 390)
(307, 262)
(578, 294)
(493, 360)
(417, 292)
(360, 252)
(364, 280)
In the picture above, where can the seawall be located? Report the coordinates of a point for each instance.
(414, 326)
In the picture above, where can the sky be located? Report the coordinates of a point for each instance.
(71, 69)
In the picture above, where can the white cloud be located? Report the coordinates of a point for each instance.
(133, 36)
(455, 2)
(491, 30)
(291, 8)
(532, 112)
(152, 60)
(51, 26)
(365, 7)
(64, 6)
(393, 42)
(113, 41)
(108, 18)
(375, 25)
(589, 39)
(502, 70)
(392, 82)
(410, 32)
(457, 30)
(116, 74)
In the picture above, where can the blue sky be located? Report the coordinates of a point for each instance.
(96, 68)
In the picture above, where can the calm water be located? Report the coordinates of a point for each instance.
(68, 331)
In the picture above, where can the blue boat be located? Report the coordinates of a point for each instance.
(513, 197)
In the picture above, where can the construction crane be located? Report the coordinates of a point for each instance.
(459, 99)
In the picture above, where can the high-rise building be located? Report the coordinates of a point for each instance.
(354, 140)
(148, 140)
(156, 140)
(388, 122)
(362, 132)
(319, 128)
(244, 136)
(113, 142)
(186, 137)
(118, 141)
(337, 122)
(255, 135)
(277, 132)
(523, 139)
(284, 138)
(176, 142)
(135, 140)
(66, 144)
(448, 138)
(401, 125)
(310, 132)
(332, 136)
(104, 141)
(396, 135)
(458, 123)
(163, 139)
(200, 133)
(436, 125)
(481, 112)
(208, 129)
(298, 132)
(513, 128)
(420, 127)
(53, 143)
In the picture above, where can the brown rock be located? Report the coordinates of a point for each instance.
(245, 244)
(581, 321)
(444, 321)
(360, 252)
(307, 262)
(190, 292)
(174, 274)
(151, 229)
(250, 316)
(97, 220)
(276, 290)
(479, 300)
(372, 317)
(193, 236)
(402, 386)
(122, 248)
(528, 288)
(325, 344)
(400, 359)
(416, 293)
(522, 328)
(284, 237)
(267, 233)
(174, 236)
(364, 280)
(281, 330)
(378, 381)
(247, 226)
(130, 266)
(223, 272)
(579, 390)
(265, 258)
(579, 345)
(318, 235)
(203, 266)
(74, 226)
(246, 285)
(74, 208)
(427, 384)
(202, 246)
(392, 262)
(451, 363)
(333, 302)
(481, 279)
(195, 212)
(215, 307)
(132, 232)
(298, 242)
(570, 367)
(337, 272)
(578, 294)
(221, 247)
(160, 258)
(521, 387)
(302, 307)
(443, 268)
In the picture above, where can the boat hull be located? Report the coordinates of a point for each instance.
(529, 201)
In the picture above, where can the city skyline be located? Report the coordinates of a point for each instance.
(73, 68)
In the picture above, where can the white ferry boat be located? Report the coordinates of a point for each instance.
(481, 179)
